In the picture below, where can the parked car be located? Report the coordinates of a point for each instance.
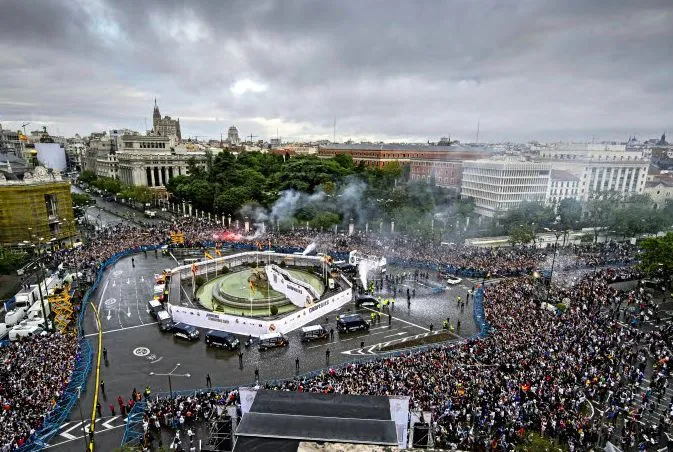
(222, 339)
(453, 280)
(184, 331)
(352, 322)
(272, 340)
(313, 333)
(362, 300)
(165, 321)
(154, 306)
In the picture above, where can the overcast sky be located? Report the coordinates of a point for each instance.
(388, 70)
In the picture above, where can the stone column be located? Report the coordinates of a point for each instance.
(351, 227)
(247, 225)
(392, 227)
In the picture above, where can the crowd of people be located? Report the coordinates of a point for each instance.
(532, 372)
(33, 374)
(541, 370)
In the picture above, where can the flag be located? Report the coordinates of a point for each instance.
(218, 252)
(259, 245)
(207, 255)
(194, 268)
(269, 244)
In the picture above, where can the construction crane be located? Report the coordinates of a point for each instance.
(251, 137)
(24, 127)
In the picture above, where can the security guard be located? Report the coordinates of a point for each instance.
(147, 392)
(373, 317)
(445, 324)
(378, 306)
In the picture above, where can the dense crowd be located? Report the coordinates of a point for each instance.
(539, 370)
(33, 374)
(474, 389)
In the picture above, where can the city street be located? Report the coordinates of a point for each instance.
(136, 347)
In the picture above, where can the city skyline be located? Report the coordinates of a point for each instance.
(390, 72)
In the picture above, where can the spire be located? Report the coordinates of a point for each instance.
(155, 102)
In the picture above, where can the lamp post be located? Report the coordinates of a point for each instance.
(169, 375)
(41, 280)
(553, 260)
(81, 417)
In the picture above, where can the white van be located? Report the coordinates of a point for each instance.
(3, 330)
(35, 311)
(18, 332)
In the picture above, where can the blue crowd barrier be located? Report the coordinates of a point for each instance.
(134, 431)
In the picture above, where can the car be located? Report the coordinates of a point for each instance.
(313, 333)
(362, 300)
(153, 307)
(216, 338)
(453, 280)
(164, 320)
(184, 331)
(272, 340)
(351, 322)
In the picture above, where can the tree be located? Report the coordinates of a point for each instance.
(229, 201)
(657, 254)
(521, 234)
(81, 199)
(570, 213)
(325, 220)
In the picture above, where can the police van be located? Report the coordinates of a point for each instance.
(272, 340)
(222, 339)
(351, 322)
(313, 333)
(153, 307)
(164, 320)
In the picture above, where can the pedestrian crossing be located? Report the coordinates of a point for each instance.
(74, 430)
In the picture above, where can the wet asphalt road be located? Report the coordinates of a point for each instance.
(136, 347)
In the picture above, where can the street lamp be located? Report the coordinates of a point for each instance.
(169, 375)
(553, 260)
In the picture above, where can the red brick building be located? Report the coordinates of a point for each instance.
(443, 163)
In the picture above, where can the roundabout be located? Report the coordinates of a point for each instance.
(243, 291)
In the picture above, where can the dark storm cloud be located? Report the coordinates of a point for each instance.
(386, 70)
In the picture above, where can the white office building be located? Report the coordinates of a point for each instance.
(501, 185)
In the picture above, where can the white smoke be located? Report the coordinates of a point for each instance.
(309, 249)
(363, 270)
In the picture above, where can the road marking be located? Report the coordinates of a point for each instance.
(106, 424)
(102, 296)
(65, 433)
(401, 320)
(396, 334)
(74, 438)
(123, 329)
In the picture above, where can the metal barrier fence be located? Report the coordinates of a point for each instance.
(77, 384)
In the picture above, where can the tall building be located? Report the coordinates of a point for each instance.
(501, 185)
(165, 127)
(152, 161)
(441, 164)
(232, 136)
(601, 168)
(35, 207)
(562, 184)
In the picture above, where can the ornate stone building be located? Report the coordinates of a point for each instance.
(165, 127)
(35, 208)
(152, 161)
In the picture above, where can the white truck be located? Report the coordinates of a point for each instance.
(22, 331)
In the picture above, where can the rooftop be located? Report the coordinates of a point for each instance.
(557, 174)
(404, 147)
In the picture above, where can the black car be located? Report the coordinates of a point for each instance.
(164, 320)
(215, 338)
(352, 322)
(184, 331)
(362, 300)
